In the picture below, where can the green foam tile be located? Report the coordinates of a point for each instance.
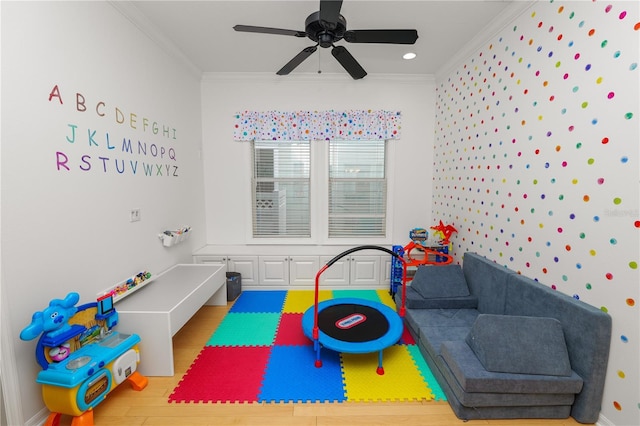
(371, 295)
(425, 371)
(246, 329)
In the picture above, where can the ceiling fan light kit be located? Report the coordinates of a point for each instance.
(327, 27)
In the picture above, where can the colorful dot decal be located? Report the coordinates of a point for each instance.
(536, 162)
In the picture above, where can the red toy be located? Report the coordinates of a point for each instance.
(446, 231)
(429, 253)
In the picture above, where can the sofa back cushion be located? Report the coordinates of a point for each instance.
(436, 282)
(487, 281)
(587, 331)
(520, 344)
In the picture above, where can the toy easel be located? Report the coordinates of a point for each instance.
(81, 356)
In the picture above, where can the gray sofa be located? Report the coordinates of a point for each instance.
(504, 346)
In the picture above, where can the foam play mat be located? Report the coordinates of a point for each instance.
(259, 353)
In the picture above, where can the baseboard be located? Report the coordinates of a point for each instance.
(603, 421)
(38, 419)
(9, 379)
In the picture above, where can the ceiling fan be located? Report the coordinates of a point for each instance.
(326, 27)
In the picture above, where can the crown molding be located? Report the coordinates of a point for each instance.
(499, 23)
(140, 21)
(316, 78)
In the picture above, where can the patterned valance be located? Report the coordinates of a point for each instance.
(317, 125)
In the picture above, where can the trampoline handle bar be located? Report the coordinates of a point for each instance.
(351, 250)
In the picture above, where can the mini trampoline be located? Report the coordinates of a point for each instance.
(353, 325)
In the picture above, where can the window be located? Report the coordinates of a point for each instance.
(281, 189)
(348, 179)
(357, 189)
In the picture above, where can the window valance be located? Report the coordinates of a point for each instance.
(317, 125)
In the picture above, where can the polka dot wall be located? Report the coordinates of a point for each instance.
(536, 164)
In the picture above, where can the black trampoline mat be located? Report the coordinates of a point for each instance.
(350, 322)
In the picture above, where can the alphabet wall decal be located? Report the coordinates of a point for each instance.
(110, 150)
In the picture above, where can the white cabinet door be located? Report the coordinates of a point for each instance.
(283, 270)
(385, 270)
(365, 270)
(247, 266)
(303, 270)
(273, 270)
(337, 274)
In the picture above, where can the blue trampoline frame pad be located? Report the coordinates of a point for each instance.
(391, 337)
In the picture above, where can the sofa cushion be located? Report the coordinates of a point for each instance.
(587, 332)
(435, 282)
(488, 281)
(432, 338)
(519, 344)
(473, 377)
(500, 399)
(415, 301)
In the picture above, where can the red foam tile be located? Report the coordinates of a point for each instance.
(407, 338)
(224, 374)
(290, 331)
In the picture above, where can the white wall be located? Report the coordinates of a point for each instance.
(69, 230)
(536, 164)
(227, 164)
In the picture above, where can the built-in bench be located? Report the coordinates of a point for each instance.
(158, 310)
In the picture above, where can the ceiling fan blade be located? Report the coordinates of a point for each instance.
(348, 62)
(297, 60)
(381, 36)
(329, 13)
(267, 30)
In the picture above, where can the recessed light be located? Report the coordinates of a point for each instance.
(409, 55)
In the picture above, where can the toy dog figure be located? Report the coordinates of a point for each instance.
(53, 320)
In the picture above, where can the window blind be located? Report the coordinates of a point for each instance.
(357, 189)
(281, 189)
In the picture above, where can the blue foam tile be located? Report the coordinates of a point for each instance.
(291, 376)
(259, 301)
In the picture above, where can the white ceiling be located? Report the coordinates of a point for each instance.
(202, 32)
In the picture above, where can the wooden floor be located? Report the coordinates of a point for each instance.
(124, 406)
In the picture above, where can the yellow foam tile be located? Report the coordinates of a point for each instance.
(386, 298)
(298, 301)
(401, 380)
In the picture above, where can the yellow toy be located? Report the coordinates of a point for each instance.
(82, 357)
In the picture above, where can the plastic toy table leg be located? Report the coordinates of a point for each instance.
(53, 419)
(138, 381)
(85, 419)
